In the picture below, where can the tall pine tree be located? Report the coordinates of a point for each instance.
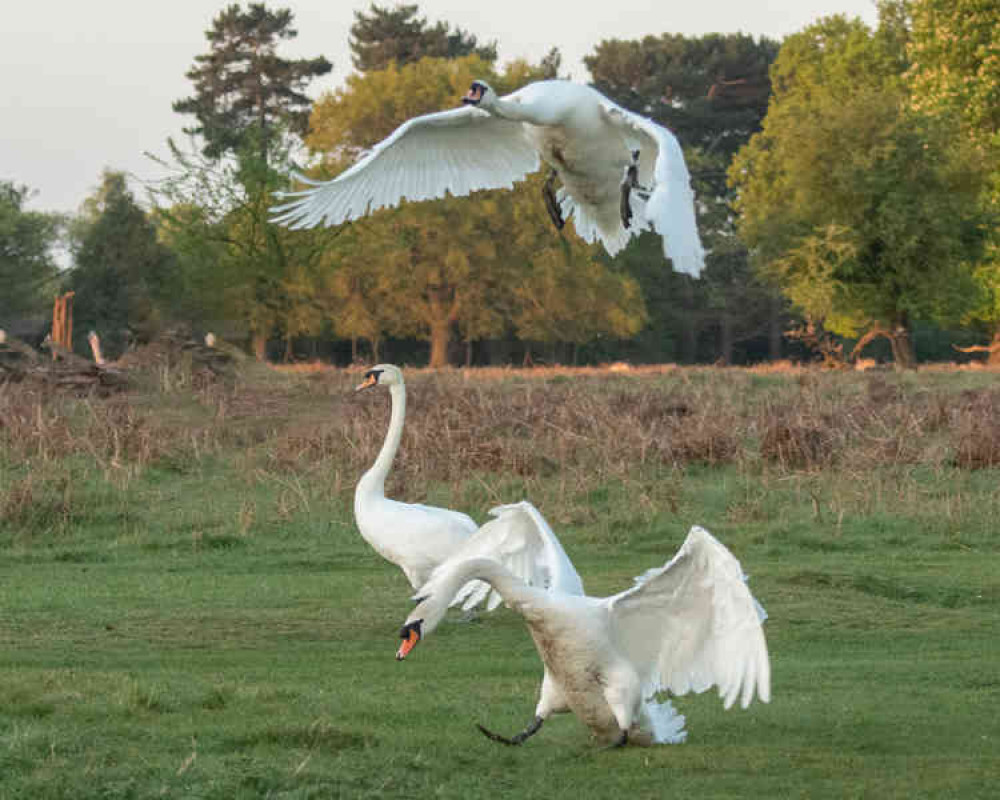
(120, 268)
(243, 89)
(246, 98)
(385, 35)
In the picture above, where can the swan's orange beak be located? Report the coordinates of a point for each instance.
(410, 635)
(367, 383)
(408, 644)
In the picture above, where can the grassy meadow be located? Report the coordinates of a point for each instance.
(187, 610)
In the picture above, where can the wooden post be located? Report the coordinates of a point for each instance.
(68, 330)
(95, 347)
(62, 322)
(57, 325)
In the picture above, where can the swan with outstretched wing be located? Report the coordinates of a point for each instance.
(687, 626)
(620, 172)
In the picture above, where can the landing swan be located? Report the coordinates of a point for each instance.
(683, 627)
(419, 539)
(620, 172)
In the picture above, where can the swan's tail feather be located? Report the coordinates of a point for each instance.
(666, 725)
(594, 226)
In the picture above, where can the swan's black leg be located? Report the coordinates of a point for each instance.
(626, 209)
(552, 202)
(630, 182)
(517, 738)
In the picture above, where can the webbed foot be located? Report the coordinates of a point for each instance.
(552, 202)
(517, 738)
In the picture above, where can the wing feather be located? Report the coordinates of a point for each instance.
(458, 151)
(693, 624)
(519, 538)
(670, 208)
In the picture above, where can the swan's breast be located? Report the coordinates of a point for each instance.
(576, 662)
(590, 162)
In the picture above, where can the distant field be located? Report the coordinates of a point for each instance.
(186, 608)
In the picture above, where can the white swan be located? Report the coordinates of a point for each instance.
(419, 539)
(620, 172)
(683, 627)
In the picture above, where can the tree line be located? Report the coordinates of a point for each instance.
(847, 181)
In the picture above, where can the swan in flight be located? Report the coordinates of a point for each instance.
(620, 172)
(686, 626)
(419, 539)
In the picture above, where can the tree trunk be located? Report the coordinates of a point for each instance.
(902, 345)
(440, 336)
(774, 332)
(258, 342)
(689, 336)
(902, 349)
(726, 336)
(994, 358)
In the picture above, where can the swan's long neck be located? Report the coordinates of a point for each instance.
(374, 479)
(525, 111)
(493, 572)
(444, 586)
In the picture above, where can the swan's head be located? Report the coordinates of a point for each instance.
(424, 618)
(381, 375)
(410, 634)
(480, 94)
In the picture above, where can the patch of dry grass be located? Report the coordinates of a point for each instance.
(583, 428)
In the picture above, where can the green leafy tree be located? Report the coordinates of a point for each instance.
(234, 265)
(955, 73)
(120, 268)
(840, 156)
(449, 266)
(242, 85)
(28, 271)
(382, 36)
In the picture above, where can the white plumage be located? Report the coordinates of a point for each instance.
(419, 539)
(583, 136)
(683, 627)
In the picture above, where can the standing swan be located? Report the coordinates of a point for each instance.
(414, 537)
(620, 172)
(683, 627)
(420, 539)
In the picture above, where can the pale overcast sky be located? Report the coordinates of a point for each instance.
(88, 84)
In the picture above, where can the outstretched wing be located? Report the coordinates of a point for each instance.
(693, 624)
(520, 539)
(456, 151)
(670, 208)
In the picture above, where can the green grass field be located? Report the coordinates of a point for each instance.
(186, 608)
